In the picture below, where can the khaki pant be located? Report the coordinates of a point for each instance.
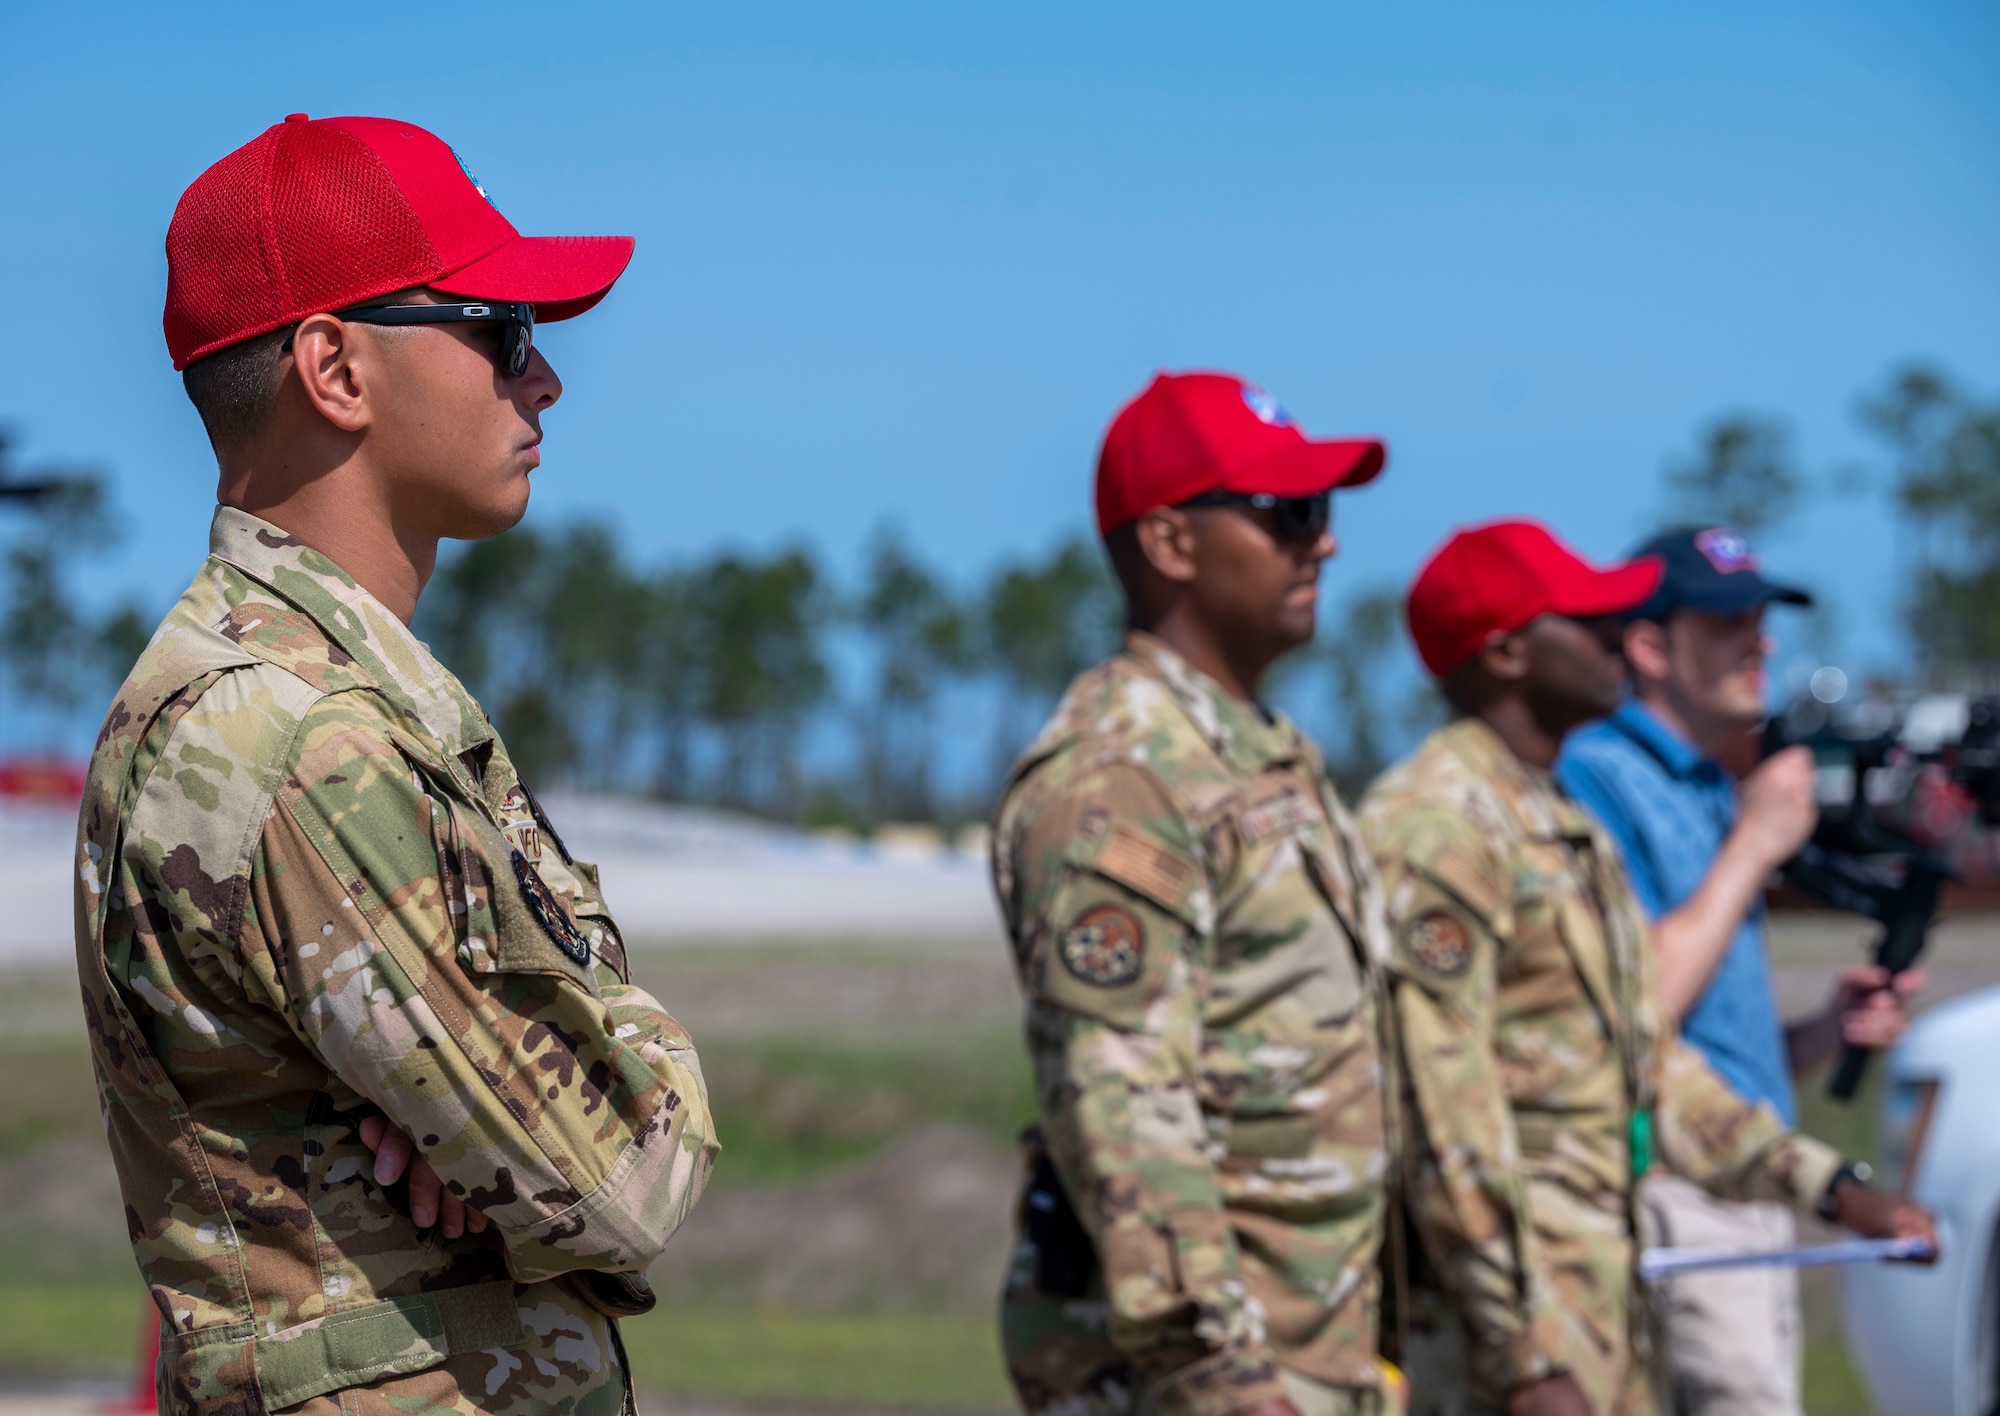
(1731, 1338)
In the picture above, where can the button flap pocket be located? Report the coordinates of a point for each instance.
(1273, 1137)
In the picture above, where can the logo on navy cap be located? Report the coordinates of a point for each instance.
(1265, 407)
(1726, 550)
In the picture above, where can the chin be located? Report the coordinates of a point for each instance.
(1747, 707)
(477, 523)
(508, 508)
(1296, 627)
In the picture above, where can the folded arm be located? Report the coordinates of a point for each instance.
(567, 1107)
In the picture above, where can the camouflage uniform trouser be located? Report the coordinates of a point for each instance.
(1607, 1337)
(1062, 1363)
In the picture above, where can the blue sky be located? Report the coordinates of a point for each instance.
(905, 260)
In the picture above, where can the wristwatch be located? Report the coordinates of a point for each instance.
(1859, 1171)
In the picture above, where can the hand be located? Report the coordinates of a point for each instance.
(1280, 1407)
(430, 1202)
(1550, 1396)
(1874, 1215)
(1776, 807)
(1868, 1010)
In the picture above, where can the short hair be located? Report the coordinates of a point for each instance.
(235, 389)
(1121, 548)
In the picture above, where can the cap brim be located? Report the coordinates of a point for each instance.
(561, 276)
(1754, 592)
(1310, 468)
(1609, 592)
(1737, 595)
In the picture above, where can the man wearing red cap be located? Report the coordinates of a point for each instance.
(394, 1130)
(1199, 936)
(1541, 1079)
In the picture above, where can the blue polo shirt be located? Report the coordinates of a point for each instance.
(1669, 808)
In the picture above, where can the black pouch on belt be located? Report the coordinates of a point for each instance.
(616, 1295)
(1066, 1260)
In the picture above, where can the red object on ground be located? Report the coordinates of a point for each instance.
(1194, 433)
(1497, 578)
(310, 217)
(42, 779)
(141, 1401)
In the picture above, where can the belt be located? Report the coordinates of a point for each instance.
(388, 1338)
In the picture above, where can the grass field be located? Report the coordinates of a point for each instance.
(848, 1249)
(853, 1082)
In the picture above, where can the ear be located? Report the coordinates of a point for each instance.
(1166, 539)
(1646, 650)
(328, 359)
(1504, 657)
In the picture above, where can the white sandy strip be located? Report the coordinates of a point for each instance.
(667, 875)
(35, 908)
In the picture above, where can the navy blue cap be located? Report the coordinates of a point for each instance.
(1710, 568)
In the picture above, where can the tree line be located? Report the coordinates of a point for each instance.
(713, 679)
(1942, 452)
(762, 682)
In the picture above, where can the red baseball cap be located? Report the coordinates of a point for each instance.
(1497, 578)
(315, 215)
(1194, 433)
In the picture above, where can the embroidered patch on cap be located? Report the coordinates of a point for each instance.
(1726, 550)
(1265, 407)
(1106, 946)
(477, 186)
(549, 912)
(1440, 943)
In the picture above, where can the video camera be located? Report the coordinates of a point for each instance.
(1895, 784)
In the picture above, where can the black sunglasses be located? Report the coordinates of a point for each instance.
(517, 322)
(1297, 519)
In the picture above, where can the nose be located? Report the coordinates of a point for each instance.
(1324, 548)
(539, 387)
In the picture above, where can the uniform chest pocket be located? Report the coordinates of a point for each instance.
(507, 918)
(1559, 942)
(1282, 939)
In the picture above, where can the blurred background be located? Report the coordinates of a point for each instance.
(809, 558)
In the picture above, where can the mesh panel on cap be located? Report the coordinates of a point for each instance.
(344, 231)
(219, 274)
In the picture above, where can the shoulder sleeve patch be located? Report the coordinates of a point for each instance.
(1135, 859)
(1105, 946)
(549, 912)
(1439, 942)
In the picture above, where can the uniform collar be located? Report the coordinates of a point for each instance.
(386, 655)
(1643, 726)
(1544, 808)
(1241, 734)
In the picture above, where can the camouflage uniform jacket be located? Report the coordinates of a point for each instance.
(310, 887)
(1531, 1039)
(1199, 936)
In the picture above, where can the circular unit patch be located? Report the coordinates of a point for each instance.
(1440, 943)
(1105, 946)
